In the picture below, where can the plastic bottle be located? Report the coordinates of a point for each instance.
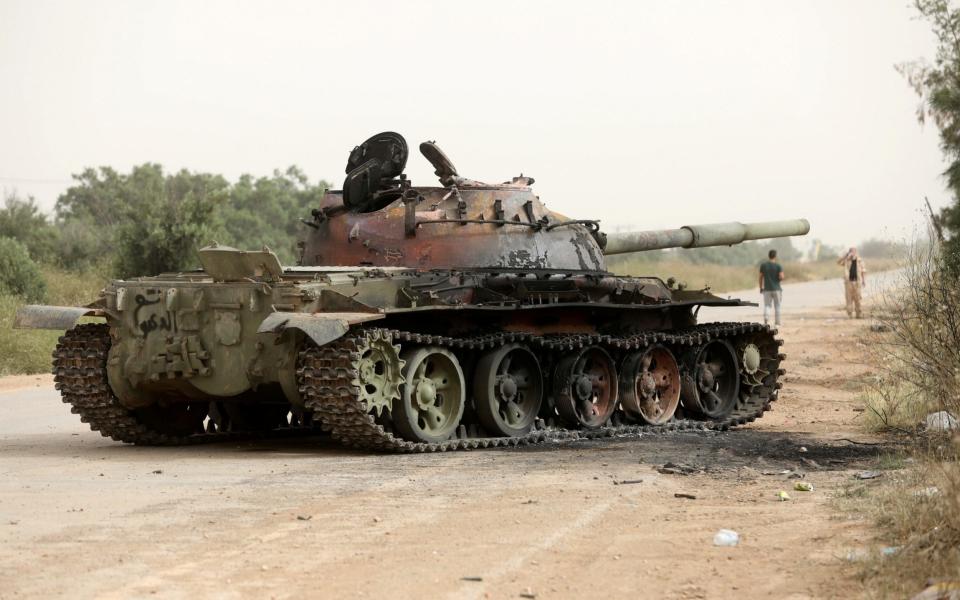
(726, 537)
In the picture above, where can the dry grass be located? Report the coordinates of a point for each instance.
(917, 514)
(729, 278)
(894, 406)
(28, 351)
(917, 510)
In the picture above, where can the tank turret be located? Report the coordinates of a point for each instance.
(380, 219)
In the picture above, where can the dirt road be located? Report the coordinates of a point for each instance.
(81, 516)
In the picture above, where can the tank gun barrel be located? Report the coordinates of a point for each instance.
(701, 236)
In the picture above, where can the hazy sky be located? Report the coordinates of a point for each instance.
(641, 114)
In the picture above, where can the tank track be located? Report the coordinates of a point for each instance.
(325, 377)
(80, 373)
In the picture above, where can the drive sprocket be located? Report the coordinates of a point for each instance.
(378, 371)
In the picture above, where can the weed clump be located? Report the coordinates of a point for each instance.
(917, 510)
(19, 275)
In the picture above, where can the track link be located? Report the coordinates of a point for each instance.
(80, 373)
(326, 377)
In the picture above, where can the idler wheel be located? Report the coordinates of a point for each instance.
(650, 385)
(711, 380)
(508, 389)
(585, 383)
(432, 395)
(756, 363)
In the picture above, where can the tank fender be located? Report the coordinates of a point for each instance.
(322, 328)
(36, 316)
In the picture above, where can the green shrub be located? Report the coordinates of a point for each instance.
(22, 220)
(19, 275)
(23, 351)
(27, 351)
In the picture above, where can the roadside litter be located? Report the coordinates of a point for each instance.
(726, 537)
(677, 469)
(927, 492)
(942, 421)
(942, 590)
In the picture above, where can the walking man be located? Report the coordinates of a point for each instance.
(854, 280)
(771, 274)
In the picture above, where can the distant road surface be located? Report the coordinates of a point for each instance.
(802, 296)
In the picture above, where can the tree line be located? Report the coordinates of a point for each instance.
(937, 83)
(149, 221)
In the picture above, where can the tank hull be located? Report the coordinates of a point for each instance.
(186, 357)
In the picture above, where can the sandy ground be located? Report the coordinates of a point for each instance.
(19, 382)
(81, 516)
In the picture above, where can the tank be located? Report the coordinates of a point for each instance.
(458, 316)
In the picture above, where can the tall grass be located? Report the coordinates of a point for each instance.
(27, 351)
(923, 318)
(918, 511)
(917, 514)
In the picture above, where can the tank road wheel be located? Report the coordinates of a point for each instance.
(712, 380)
(650, 385)
(508, 389)
(378, 371)
(585, 383)
(432, 395)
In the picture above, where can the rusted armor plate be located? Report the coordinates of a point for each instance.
(322, 328)
(34, 316)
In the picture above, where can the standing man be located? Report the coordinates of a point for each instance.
(771, 274)
(854, 280)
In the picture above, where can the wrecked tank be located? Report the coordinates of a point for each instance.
(450, 317)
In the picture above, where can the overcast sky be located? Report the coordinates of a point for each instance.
(641, 114)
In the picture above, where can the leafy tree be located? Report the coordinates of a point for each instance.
(19, 275)
(87, 214)
(149, 222)
(98, 194)
(84, 244)
(21, 219)
(165, 219)
(938, 85)
(266, 211)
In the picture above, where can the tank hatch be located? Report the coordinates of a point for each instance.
(443, 166)
(375, 172)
